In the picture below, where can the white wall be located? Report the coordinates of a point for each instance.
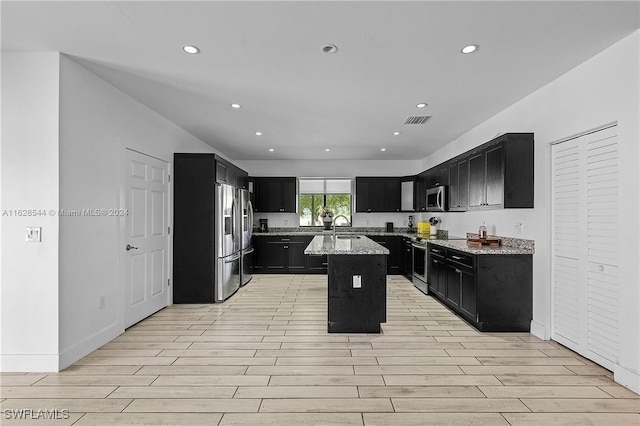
(330, 168)
(96, 122)
(29, 276)
(604, 89)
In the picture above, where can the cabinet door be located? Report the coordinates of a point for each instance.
(259, 246)
(437, 276)
(476, 180)
(363, 194)
(262, 197)
(378, 198)
(420, 196)
(394, 245)
(494, 176)
(296, 259)
(453, 186)
(394, 198)
(453, 285)
(274, 256)
(463, 184)
(468, 292)
(407, 257)
(288, 195)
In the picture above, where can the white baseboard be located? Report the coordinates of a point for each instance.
(627, 378)
(29, 363)
(539, 330)
(88, 345)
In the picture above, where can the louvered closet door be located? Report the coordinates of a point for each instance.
(585, 245)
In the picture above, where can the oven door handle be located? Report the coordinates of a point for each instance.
(418, 247)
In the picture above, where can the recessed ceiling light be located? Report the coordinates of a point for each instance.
(396, 133)
(271, 149)
(421, 105)
(193, 50)
(469, 48)
(327, 150)
(329, 48)
(258, 133)
(236, 106)
(383, 149)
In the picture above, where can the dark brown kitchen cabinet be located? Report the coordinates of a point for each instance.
(230, 174)
(280, 254)
(501, 173)
(493, 292)
(378, 194)
(437, 272)
(458, 184)
(406, 258)
(420, 194)
(394, 245)
(274, 194)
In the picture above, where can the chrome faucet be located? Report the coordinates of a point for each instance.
(334, 222)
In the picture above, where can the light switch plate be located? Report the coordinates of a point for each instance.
(357, 281)
(33, 235)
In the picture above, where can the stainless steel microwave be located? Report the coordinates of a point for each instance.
(437, 199)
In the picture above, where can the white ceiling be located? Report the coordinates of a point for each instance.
(267, 56)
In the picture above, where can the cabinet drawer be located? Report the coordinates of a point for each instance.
(437, 251)
(460, 258)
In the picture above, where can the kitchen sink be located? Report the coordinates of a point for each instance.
(348, 237)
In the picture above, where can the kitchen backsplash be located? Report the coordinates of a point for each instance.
(374, 220)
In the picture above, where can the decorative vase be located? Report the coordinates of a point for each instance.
(326, 221)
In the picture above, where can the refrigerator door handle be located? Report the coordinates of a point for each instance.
(251, 250)
(233, 259)
(250, 224)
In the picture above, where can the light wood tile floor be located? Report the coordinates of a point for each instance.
(264, 358)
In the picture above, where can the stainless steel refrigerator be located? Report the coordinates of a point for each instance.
(228, 241)
(246, 218)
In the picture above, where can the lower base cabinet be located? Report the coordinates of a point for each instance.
(493, 292)
(285, 255)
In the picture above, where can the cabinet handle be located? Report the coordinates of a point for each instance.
(600, 268)
(435, 261)
(285, 247)
(285, 239)
(324, 263)
(435, 251)
(457, 257)
(458, 271)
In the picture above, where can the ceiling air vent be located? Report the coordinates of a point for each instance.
(417, 119)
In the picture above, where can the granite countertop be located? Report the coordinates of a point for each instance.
(286, 232)
(327, 244)
(509, 246)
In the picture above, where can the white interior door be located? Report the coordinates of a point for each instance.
(147, 239)
(586, 245)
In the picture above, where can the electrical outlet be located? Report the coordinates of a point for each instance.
(357, 281)
(102, 303)
(519, 228)
(286, 222)
(33, 235)
(366, 222)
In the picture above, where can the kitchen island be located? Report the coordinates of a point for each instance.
(357, 274)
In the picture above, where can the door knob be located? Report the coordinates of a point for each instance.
(130, 247)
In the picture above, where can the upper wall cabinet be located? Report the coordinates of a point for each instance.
(500, 174)
(230, 174)
(274, 194)
(378, 194)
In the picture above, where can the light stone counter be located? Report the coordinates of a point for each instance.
(356, 245)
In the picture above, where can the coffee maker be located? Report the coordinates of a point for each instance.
(411, 230)
(264, 227)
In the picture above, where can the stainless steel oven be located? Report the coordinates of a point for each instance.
(420, 266)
